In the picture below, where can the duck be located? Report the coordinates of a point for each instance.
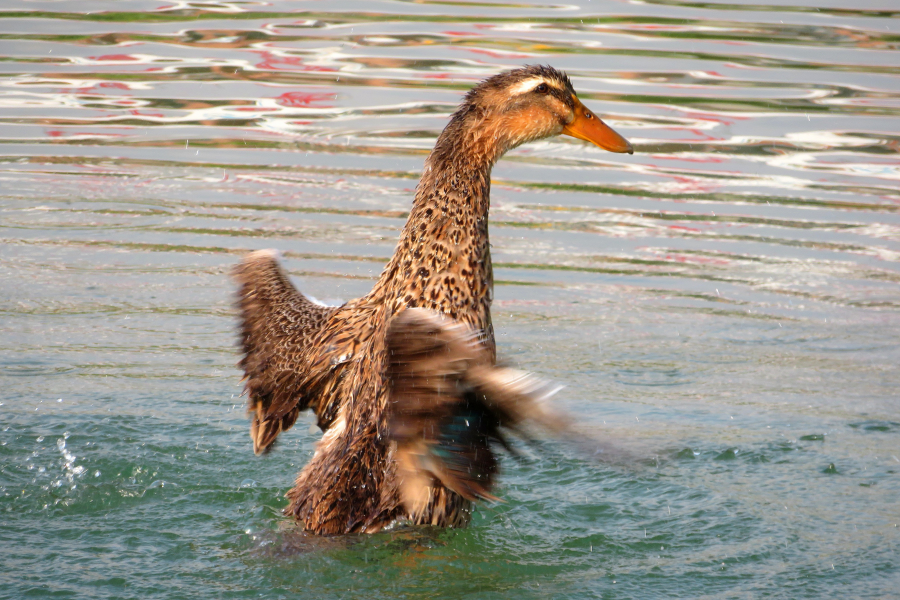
(404, 382)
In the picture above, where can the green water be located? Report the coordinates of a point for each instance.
(723, 306)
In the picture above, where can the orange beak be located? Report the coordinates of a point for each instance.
(586, 126)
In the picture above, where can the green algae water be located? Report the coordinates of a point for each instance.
(723, 306)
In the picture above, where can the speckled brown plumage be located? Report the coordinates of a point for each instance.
(395, 446)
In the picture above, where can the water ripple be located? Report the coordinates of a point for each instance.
(729, 291)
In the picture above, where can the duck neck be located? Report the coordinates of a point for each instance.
(443, 258)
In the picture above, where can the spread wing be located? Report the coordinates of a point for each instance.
(449, 403)
(278, 326)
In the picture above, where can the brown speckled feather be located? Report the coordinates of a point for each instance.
(279, 326)
(421, 452)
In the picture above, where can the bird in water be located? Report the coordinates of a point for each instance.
(404, 381)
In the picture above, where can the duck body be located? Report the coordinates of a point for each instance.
(399, 442)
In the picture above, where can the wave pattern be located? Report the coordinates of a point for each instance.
(732, 286)
(744, 158)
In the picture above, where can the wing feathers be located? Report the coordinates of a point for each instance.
(278, 326)
(518, 396)
(447, 405)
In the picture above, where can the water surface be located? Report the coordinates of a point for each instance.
(722, 305)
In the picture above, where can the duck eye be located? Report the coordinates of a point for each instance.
(542, 88)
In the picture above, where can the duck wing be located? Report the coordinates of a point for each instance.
(279, 325)
(448, 404)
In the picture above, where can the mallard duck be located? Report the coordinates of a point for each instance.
(404, 381)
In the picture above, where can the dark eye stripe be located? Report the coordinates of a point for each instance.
(562, 96)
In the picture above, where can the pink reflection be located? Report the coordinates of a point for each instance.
(680, 184)
(498, 54)
(100, 89)
(652, 27)
(59, 133)
(275, 62)
(711, 117)
(709, 158)
(301, 99)
(691, 184)
(112, 84)
(140, 113)
(701, 136)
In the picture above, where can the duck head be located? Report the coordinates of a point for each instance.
(528, 104)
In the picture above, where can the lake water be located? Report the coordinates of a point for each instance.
(723, 305)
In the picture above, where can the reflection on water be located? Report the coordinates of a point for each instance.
(726, 297)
